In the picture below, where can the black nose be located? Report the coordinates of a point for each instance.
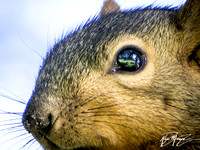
(35, 123)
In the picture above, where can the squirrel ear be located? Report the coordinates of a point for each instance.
(108, 7)
(189, 23)
(189, 14)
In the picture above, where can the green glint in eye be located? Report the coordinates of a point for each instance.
(130, 59)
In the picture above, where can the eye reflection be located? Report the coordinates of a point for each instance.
(130, 60)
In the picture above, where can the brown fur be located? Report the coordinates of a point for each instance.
(79, 102)
(108, 7)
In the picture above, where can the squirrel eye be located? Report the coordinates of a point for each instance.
(130, 59)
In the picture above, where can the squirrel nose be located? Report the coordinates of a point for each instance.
(35, 123)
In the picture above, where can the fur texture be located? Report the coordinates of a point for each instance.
(80, 102)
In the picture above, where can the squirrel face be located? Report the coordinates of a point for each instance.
(121, 81)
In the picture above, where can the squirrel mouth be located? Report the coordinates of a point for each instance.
(47, 143)
(50, 145)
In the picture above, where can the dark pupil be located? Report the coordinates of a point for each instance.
(129, 60)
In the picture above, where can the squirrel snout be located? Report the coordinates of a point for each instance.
(37, 123)
(40, 116)
(37, 118)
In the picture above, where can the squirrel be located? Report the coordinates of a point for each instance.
(128, 79)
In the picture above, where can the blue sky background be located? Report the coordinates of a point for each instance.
(28, 28)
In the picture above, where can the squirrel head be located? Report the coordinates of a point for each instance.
(121, 81)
